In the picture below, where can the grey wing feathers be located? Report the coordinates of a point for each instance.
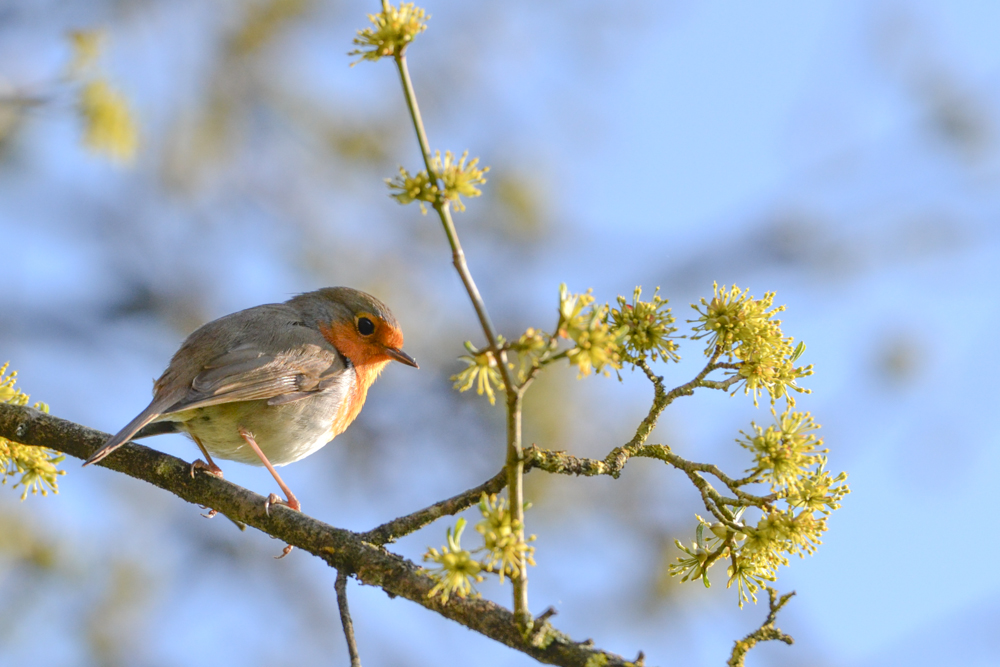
(246, 374)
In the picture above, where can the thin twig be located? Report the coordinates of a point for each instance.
(392, 530)
(766, 632)
(515, 465)
(345, 618)
(444, 212)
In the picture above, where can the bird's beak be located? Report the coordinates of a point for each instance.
(401, 357)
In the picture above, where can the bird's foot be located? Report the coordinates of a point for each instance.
(274, 499)
(211, 512)
(291, 503)
(210, 468)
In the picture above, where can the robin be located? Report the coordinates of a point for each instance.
(272, 384)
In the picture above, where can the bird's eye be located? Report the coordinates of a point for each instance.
(365, 326)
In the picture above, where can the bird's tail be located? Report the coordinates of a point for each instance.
(131, 429)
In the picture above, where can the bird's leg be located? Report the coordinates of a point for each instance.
(209, 467)
(292, 502)
(198, 464)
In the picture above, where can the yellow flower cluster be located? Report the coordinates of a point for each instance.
(500, 539)
(785, 450)
(458, 570)
(481, 370)
(35, 465)
(458, 178)
(743, 328)
(597, 345)
(393, 30)
(787, 455)
(648, 327)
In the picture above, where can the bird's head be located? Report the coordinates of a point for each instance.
(357, 324)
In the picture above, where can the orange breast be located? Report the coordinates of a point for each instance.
(368, 361)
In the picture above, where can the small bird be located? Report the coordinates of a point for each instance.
(272, 384)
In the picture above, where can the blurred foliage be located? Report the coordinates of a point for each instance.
(22, 545)
(109, 127)
(261, 23)
(116, 618)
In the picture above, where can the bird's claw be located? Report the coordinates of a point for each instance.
(274, 499)
(211, 512)
(291, 503)
(210, 468)
(284, 552)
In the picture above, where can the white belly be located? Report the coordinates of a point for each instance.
(285, 433)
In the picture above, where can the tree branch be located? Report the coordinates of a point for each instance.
(766, 632)
(339, 548)
(392, 530)
(345, 618)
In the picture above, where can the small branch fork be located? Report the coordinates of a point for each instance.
(766, 632)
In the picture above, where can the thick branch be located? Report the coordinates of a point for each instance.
(339, 548)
